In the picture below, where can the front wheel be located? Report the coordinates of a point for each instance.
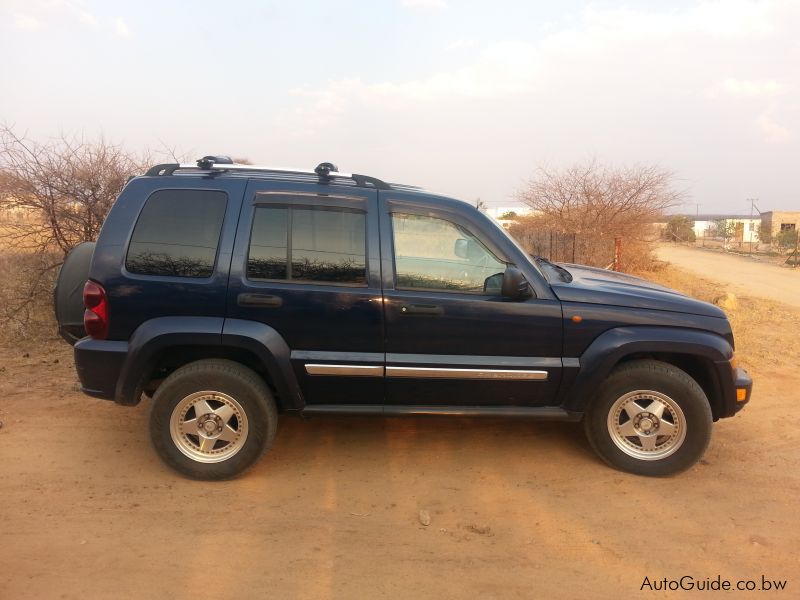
(649, 418)
(212, 419)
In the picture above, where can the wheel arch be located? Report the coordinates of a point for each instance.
(162, 345)
(696, 352)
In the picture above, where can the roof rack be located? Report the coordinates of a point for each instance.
(219, 164)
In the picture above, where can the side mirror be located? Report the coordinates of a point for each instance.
(515, 286)
(461, 248)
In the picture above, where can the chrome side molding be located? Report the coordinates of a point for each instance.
(448, 373)
(346, 370)
(425, 372)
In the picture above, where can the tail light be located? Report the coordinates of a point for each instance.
(95, 317)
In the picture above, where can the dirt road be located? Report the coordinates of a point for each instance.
(518, 509)
(739, 274)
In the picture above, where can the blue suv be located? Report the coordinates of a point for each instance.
(225, 294)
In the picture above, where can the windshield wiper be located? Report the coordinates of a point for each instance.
(565, 275)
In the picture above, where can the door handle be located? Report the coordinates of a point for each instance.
(262, 300)
(421, 309)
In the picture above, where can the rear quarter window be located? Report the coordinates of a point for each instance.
(177, 234)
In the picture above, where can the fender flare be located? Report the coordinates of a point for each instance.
(599, 359)
(150, 339)
(154, 336)
(273, 352)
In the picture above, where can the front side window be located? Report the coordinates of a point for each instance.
(177, 234)
(325, 245)
(434, 254)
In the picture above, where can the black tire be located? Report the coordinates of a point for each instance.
(68, 292)
(686, 444)
(255, 418)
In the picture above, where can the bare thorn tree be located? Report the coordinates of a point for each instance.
(597, 203)
(605, 201)
(63, 188)
(53, 196)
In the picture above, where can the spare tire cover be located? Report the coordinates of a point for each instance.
(68, 293)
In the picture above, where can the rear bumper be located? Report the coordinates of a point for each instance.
(99, 365)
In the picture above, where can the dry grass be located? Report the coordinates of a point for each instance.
(26, 297)
(26, 307)
(767, 333)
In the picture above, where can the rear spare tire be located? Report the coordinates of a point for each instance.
(68, 293)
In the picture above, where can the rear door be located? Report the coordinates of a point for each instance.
(451, 338)
(306, 263)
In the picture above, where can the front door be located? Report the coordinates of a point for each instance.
(307, 264)
(451, 338)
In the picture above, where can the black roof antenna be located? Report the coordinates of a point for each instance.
(207, 162)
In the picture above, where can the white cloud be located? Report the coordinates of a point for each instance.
(44, 13)
(121, 28)
(425, 4)
(502, 69)
(693, 89)
(517, 66)
(460, 44)
(88, 18)
(26, 22)
(745, 88)
(773, 132)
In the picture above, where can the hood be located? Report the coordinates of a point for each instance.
(598, 286)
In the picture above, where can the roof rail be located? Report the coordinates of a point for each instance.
(218, 164)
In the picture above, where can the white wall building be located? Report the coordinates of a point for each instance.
(744, 228)
(497, 212)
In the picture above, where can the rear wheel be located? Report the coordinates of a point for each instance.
(212, 419)
(649, 418)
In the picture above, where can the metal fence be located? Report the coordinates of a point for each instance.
(569, 247)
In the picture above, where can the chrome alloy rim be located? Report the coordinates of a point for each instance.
(647, 425)
(208, 427)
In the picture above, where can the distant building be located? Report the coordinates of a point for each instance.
(744, 228)
(505, 215)
(776, 221)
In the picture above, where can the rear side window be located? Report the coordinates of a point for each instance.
(325, 245)
(177, 234)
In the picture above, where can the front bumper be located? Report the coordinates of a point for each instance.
(743, 386)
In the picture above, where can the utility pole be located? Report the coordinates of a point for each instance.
(697, 217)
(752, 207)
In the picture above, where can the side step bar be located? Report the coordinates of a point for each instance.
(541, 413)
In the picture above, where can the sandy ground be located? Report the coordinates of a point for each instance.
(518, 509)
(740, 275)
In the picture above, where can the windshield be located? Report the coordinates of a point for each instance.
(517, 246)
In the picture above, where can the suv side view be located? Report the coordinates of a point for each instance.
(226, 294)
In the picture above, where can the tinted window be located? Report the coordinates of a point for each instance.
(177, 234)
(435, 254)
(268, 244)
(308, 244)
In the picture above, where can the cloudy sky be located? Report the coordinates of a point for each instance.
(464, 97)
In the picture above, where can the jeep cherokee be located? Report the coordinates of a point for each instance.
(226, 294)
